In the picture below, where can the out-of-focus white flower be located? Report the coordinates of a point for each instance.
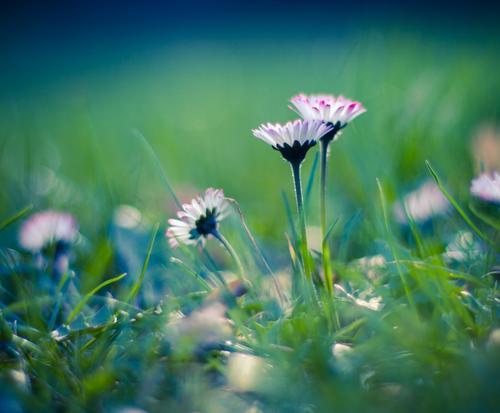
(129, 410)
(462, 247)
(340, 350)
(127, 216)
(208, 325)
(371, 265)
(245, 371)
(487, 187)
(422, 204)
(494, 339)
(336, 111)
(364, 299)
(293, 139)
(47, 227)
(373, 303)
(198, 219)
(20, 378)
(341, 353)
(486, 148)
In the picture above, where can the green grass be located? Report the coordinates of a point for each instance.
(75, 145)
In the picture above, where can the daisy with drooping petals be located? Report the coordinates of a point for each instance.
(487, 187)
(336, 112)
(293, 139)
(198, 219)
(47, 227)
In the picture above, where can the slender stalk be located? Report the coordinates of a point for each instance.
(302, 218)
(327, 273)
(229, 248)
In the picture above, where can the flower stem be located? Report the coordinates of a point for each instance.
(327, 273)
(229, 248)
(302, 217)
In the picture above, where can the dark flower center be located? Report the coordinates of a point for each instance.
(205, 224)
(296, 153)
(328, 137)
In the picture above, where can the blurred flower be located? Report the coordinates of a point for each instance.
(127, 216)
(486, 148)
(245, 371)
(20, 378)
(129, 410)
(462, 247)
(341, 353)
(494, 339)
(199, 219)
(293, 139)
(335, 111)
(371, 265)
(340, 350)
(487, 187)
(47, 227)
(422, 204)
(364, 298)
(205, 326)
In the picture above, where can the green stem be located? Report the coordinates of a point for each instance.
(302, 218)
(225, 243)
(327, 273)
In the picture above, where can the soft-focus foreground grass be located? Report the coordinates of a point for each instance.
(74, 145)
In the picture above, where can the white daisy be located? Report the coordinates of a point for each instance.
(47, 227)
(335, 111)
(422, 204)
(487, 187)
(293, 139)
(198, 219)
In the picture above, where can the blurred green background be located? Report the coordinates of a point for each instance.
(70, 115)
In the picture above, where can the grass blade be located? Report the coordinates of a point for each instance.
(136, 287)
(289, 215)
(87, 296)
(453, 202)
(158, 166)
(310, 181)
(391, 244)
(18, 215)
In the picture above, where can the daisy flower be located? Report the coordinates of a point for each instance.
(335, 111)
(45, 228)
(487, 187)
(293, 139)
(422, 204)
(198, 219)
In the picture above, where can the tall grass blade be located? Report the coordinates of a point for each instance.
(137, 285)
(18, 215)
(455, 204)
(87, 297)
(310, 180)
(159, 167)
(392, 245)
